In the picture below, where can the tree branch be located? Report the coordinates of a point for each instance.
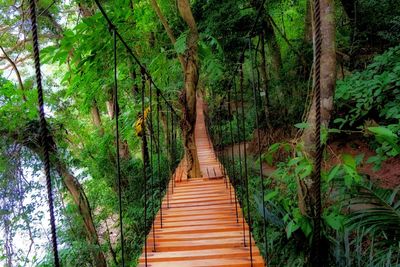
(167, 28)
(303, 61)
(14, 66)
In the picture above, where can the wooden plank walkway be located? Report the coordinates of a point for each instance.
(200, 225)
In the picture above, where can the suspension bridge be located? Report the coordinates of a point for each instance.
(200, 221)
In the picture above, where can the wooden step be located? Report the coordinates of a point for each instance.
(204, 254)
(199, 244)
(225, 261)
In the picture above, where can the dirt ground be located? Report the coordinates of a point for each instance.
(389, 174)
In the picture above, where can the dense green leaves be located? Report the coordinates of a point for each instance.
(372, 93)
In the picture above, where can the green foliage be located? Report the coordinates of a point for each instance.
(373, 216)
(372, 93)
(380, 212)
(378, 21)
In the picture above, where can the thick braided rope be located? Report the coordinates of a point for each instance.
(319, 150)
(43, 131)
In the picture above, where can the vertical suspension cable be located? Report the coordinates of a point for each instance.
(145, 160)
(246, 178)
(316, 247)
(233, 167)
(241, 181)
(158, 158)
(44, 134)
(255, 100)
(151, 162)
(220, 147)
(222, 151)
(168, 155)
(172, 151)
(116, 114)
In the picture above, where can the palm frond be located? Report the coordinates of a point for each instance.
(273, 213)
(376, 210)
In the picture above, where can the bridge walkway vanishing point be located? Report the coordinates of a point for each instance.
(200, 226)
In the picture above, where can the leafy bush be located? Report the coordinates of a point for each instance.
(372, 93)
(372, 96)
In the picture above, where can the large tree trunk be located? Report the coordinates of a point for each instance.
(80, 199)
(328, 79)
(189, 63)
(191, 80)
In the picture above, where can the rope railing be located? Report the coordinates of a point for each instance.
(44, 133)
(243, 184)
(243, 168)
(316, 176)
(148, 172)
(257, 120)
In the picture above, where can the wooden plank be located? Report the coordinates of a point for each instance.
(221, 262)
(220, 253)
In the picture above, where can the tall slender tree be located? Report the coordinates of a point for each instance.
(307, 196)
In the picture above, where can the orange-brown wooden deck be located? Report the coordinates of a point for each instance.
(200, 227)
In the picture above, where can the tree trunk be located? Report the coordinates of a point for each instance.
(80, 199)
(264, 78)
(274, 51)
(167, 28)
(8, 241)
(189, 63)
(189, 97)
(112, 251)
(96, 117)
(308, 34)
(328, 79)
(123, 144)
